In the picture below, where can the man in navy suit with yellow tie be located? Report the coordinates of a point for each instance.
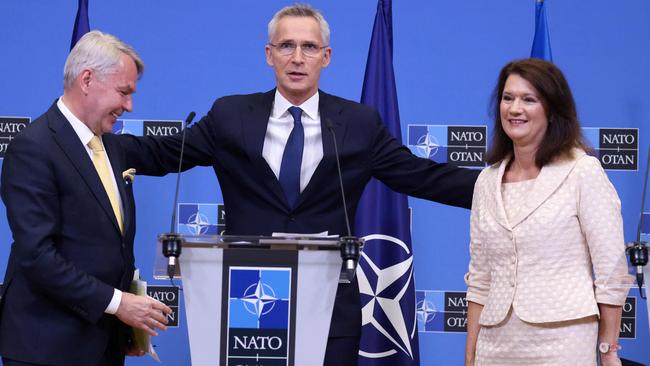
(274, 157)
(72, 218)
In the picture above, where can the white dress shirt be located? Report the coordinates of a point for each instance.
(85, 134)
(279, 128)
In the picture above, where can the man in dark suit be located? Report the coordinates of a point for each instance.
(72, 217)
(252, 142)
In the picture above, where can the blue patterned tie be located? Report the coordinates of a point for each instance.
(292, 159)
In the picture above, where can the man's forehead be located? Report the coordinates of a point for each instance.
(297, 28)
(126, 81)
(121, 78)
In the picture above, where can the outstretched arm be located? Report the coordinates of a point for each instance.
(395, 165)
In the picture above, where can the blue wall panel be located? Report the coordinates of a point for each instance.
(447, 56)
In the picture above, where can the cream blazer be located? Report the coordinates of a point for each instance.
(561, 255)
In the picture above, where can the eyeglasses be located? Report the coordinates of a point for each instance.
(288, 48)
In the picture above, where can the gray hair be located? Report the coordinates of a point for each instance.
(100, 52)
(300, 10)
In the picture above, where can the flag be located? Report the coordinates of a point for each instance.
(385, 273)
(541, 42)
(81, 24)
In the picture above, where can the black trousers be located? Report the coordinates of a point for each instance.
(107, 360)
(8, 362)
(113, 355)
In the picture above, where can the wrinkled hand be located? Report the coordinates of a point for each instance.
(610, 359)
(143, 312)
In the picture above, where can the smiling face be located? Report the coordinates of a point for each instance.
(297, 75)
(108, 96)
(523, 117)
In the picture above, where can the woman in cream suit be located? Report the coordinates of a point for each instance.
(546, 234)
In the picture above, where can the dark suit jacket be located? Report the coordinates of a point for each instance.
(68, 253)
(230, 138)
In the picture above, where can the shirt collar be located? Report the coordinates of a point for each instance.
(309, 107)
(84, 133)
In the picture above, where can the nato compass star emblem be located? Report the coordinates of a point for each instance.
(382, 290)
(425, 311)
(198, 224)
(123, 131)
(259, 299)
(427, 146)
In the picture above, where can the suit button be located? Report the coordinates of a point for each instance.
(123, 245)
(292, 219)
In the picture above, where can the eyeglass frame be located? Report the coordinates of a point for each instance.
(295, 47)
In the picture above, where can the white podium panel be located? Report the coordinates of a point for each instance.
(269, 302)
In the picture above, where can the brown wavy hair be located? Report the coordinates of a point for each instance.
(563, 132)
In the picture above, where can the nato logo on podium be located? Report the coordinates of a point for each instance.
(258, 315)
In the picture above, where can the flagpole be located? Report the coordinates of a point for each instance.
(541, 41)
(81, 23)
(389, 334)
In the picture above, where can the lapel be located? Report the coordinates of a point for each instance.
(67, 139)
(112, 152)
(254, 122)
(550, 178)
(494, 190)
(330, 110)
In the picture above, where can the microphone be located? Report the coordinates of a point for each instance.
(171, 242)
(638, 250)
(350, 245)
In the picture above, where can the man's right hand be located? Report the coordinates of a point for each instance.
(143, 312)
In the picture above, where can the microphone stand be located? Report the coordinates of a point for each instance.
(172, 242)
(350, 246)
(638, 250)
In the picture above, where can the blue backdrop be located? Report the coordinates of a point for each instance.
(446, 57)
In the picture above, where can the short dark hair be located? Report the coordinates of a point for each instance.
(563, 133)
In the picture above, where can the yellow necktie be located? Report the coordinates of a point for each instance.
(101, 165)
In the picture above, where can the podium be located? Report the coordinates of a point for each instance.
(257, 300)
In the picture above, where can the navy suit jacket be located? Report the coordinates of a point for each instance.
(68, 253)
(230, 139)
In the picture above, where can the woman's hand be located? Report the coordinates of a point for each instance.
(473, 328)
(469, 360)
(610, 359)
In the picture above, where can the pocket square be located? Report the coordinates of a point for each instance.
(128, 175)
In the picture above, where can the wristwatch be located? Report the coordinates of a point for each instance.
(605, 347)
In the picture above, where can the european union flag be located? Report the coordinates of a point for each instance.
(81, 24)
(541, 42)
(389, 333)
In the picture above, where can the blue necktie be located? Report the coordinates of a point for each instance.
(292, 159)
